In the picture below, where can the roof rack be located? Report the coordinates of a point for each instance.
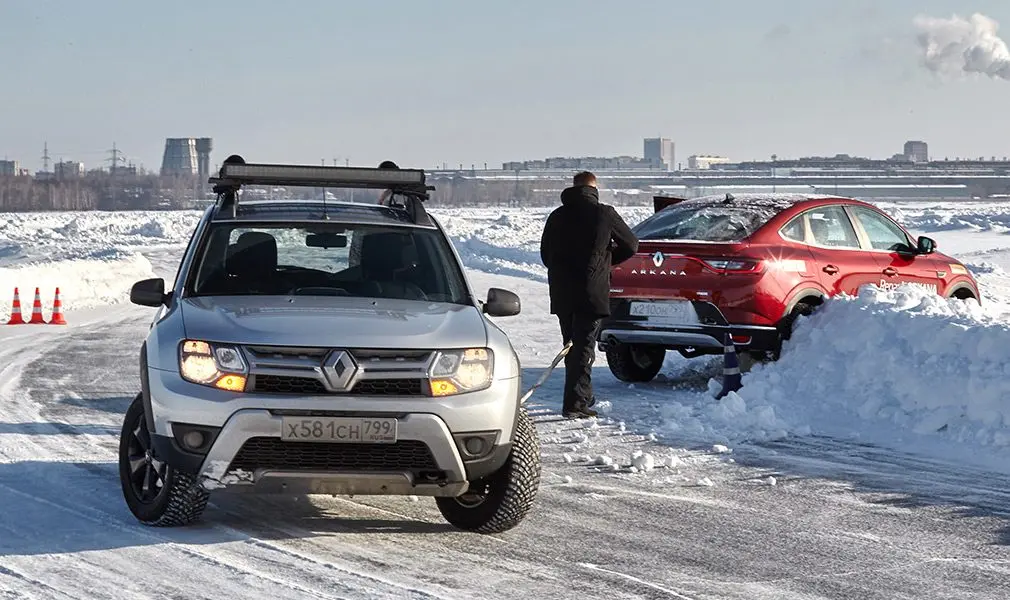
(408, 184)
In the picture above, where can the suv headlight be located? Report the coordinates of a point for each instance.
(461, 371)
(215, 365)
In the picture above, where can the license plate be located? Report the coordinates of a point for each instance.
(338, 429)
(679, 311)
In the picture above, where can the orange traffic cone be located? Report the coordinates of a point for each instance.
(37, 310)
(57, 318)
(16, 318)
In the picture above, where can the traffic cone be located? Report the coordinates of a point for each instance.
(57, 318)
(37, 310)
(731, 380)
(16, 318)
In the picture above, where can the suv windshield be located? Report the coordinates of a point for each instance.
(705, 221)
(240, 259)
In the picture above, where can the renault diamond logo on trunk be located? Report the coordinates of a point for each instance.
(339, 370)
(657, 259)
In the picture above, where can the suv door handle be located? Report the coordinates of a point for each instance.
(830, 269)
(890, 271)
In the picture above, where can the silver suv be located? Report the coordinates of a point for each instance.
(321, 347)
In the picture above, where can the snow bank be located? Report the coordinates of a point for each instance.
(506, 241)
(30, 237)
(83, 283)
(950, 216)
(93, 257)
(903, 359)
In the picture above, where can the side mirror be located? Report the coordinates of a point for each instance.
(925, 245)
(149, 292)
(501, 303)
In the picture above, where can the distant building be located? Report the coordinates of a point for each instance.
(589, 163)
(916, 151)
(69, 169)
(187, 156)
(659, 151)
(705, 161)
(9, 168)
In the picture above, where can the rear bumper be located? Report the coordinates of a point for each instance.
(707, 336)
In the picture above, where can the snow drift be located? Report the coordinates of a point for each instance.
(903, 358)
(83, 283)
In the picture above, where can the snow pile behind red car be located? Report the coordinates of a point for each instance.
(900, 366)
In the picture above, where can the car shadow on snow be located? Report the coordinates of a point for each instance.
(43, 514)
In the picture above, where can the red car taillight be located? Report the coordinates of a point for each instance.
(734, 265)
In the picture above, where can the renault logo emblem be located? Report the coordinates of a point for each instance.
(340, 370)
(657, 259)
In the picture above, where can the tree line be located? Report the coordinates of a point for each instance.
(97, 192)
(154, 192)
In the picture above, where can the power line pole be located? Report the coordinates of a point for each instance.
(45, 157)
(115, 158)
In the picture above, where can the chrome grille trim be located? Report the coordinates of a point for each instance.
(317, 364)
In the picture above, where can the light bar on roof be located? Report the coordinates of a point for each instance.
(262, 174)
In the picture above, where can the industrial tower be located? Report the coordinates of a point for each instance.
(187, 156)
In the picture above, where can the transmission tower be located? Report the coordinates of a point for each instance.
(115, 158)
(45, 157)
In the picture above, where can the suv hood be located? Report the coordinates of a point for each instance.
(333, 322)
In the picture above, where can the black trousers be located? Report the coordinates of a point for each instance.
(580, 329)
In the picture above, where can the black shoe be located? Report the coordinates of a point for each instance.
(579, 411)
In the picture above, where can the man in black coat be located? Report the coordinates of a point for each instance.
(582, 239)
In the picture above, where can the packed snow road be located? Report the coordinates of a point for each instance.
(757, 515)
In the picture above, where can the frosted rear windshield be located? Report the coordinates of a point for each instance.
(705, 222)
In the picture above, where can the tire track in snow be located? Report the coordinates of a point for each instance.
(36, 583)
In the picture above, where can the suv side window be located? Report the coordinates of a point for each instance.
(831, 227)
(882, 232)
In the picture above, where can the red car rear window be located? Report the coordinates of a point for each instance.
(706, 220)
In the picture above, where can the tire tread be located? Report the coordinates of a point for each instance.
(522, 472)
(186, 502)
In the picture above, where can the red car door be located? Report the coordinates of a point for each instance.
(842, 264)
(894, 251)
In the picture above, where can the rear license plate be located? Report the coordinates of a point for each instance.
(678, 311)
(338, 429)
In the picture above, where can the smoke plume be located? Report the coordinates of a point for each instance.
(963, 46)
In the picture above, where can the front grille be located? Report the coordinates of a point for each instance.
(389, 387)
(273, 453)
(278, 384)
(308, 386)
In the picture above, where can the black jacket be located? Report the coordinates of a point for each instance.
(582, 239)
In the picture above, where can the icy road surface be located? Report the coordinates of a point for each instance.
(721, 505)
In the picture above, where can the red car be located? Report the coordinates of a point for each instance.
(747, 266)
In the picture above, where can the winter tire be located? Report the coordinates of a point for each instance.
(155, 493)
(787, 324)
(635, 363)
(502, 500)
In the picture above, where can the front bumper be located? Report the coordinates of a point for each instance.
(707, 335)
(247, 454)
